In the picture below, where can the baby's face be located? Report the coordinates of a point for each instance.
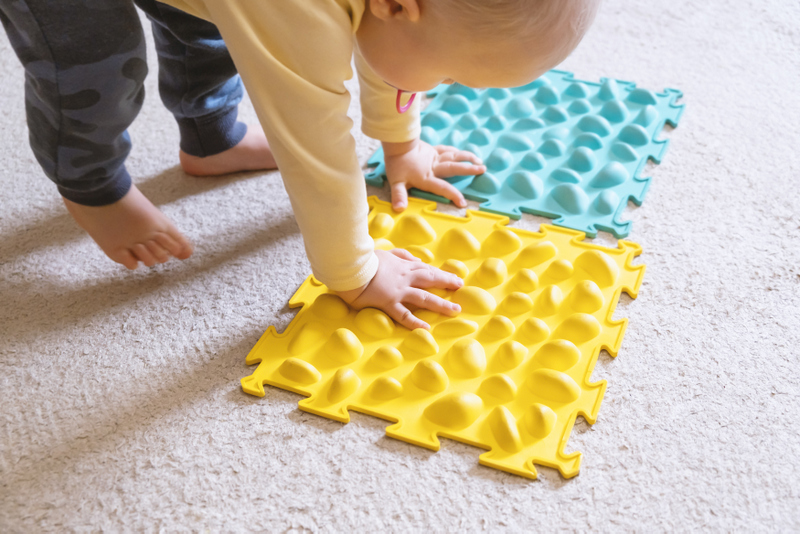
(416, 58)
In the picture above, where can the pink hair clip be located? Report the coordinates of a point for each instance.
(403, 109)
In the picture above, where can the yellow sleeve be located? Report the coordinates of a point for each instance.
(380, 119)
(294, 57)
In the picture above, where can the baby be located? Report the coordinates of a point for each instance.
(294, 56)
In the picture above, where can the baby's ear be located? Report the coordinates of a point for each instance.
(388, 9)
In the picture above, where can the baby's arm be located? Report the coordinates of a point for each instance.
(410, 162)
(294, 61)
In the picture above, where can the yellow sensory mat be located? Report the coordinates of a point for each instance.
(509, 374)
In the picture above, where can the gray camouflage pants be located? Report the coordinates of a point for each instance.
(85, 66)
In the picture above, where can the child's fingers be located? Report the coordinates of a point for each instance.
(454, 168)
(447, 190)
(428, 277)
(399, 196)
(460, 155)
(403, 316)
(444, 149)
(429, 301)
(406, 255)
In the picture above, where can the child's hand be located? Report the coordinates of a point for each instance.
(398, 283)
(418, 164)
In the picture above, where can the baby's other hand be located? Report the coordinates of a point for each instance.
(418, 164)
(400, 282)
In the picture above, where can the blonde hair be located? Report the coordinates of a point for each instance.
(519, 19)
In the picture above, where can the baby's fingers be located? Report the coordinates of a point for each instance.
(399, 196)
(431, 277)
(429, 301)
(446, 169)
(403, 316)
(445, 189)
(460, 155)
(442, 149)
(406, 255)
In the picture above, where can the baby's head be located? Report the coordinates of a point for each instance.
(414, 45)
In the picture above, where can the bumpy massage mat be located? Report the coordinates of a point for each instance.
(558, 147)
(509, 374)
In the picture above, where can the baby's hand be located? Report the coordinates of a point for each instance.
(418, 164)
(398, 283)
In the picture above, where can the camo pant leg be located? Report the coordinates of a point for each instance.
(84, 66)
(197, 79)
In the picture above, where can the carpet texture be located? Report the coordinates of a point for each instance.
(121, 408)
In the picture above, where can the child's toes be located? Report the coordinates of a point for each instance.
(186, 251)
(144, 255)
(175, 244)
(126, 258)
(160, 253)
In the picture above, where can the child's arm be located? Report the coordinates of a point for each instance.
(294, 60)
(410, 162)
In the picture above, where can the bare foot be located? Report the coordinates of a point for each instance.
(251, 154)
(131, 230)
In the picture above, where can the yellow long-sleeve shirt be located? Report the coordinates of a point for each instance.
(294, 57)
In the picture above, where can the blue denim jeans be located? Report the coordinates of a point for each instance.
(85, 67)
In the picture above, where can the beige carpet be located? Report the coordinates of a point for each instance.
(120, 401)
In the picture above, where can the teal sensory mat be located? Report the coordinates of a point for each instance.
(562, 148)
